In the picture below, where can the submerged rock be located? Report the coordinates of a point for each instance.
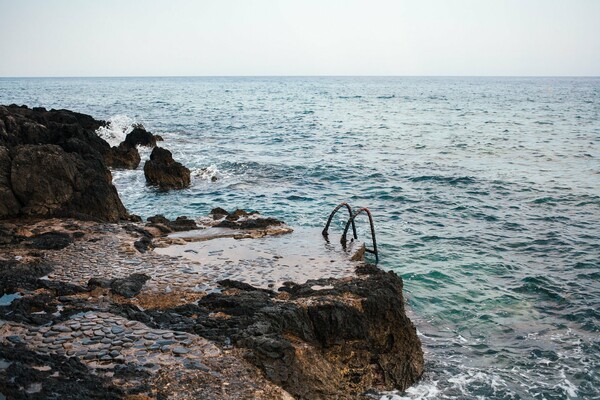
(166, 173)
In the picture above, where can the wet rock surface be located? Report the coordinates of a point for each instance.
(163, 171)
(186, 329)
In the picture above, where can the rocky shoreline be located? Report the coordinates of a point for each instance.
(90, 308)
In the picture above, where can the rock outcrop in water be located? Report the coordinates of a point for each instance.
(166, 173)
(52, 163)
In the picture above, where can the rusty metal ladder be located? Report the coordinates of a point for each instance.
(350, 221)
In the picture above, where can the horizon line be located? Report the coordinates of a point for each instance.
(291, 76)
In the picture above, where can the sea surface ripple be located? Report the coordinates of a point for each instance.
(485, 194)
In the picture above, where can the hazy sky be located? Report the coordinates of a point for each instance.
(299, 37)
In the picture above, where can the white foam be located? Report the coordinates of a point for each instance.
(117, 128)
(422, 391)
(209, 173)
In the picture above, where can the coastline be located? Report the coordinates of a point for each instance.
(131, 322)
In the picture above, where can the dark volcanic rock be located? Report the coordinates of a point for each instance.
(15, 275)
(51, 241)
(130, 286)
(316, 344)
(139, 136)
(51, 182)
(162, 171)
(165, 225)
(52, 163)
(124, 156)
(250, 223)
(9, 205)
(218, 213)
(127, 287)
(183, 223)
(65, 378)
(143, 244)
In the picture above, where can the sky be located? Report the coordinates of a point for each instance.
(299, 37)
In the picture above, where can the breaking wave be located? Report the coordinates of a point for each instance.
(117, 127)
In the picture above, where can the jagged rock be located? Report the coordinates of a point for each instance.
(65, 377)
(9, 205)
(139, 136)
(218, 213)
(16, 275)
(165, 225)
(130, 286)
(316, 344)
(72, 131)
(162, 171)
(51, 241)
(47, 181)
(250, 223)
(126, 287)
(57, 165)
(183, 223)
(143, 245)
(124, 156)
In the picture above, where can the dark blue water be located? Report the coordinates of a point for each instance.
(485, 193)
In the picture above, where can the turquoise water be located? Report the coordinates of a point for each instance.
(485, 194)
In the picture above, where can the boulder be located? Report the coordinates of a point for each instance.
(139, 136)
(48, 181)
(124, 156)
(130, 286)
(180, 224)
(52, 163)
(166, 173)
(51, 241)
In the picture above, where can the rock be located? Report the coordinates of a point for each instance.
(123, 156)
(180, 350)
(51, 241)
(54, 164)
(62, 377)
(162, 171)
(143, 245)
(9, 205)
(218, 213)
(326, 343)
(139, 136)
(165, 225)
(50, 182)
(99, 282)
(250, 223)
(130, 286)
(183, 223)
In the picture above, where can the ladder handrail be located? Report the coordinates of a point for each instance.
(325, 230)
(351, 221)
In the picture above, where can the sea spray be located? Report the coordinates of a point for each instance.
(117, 127)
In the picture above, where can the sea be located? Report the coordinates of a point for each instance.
(485, 193)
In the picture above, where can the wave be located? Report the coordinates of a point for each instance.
(451, 180)
(117, 127)
(210, 173)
